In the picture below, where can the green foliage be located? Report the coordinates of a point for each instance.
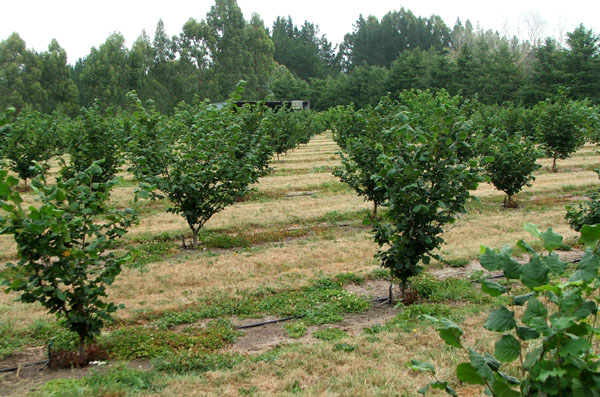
(587, 213)
(296, 330)
(62, 244)
(450, 289)
(28, 141)
(359, 133)
(289, 128)
(138, 342)
(186, 361)
(512, 163)
(426, 171)
(118, 380)
(94, 136)
(552, 338)
(561, 127)
(202, 159)
(324, 301)
(330, 334)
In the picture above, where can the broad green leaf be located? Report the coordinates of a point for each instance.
(587, 270)
(575, 347)
(465, 372)
(492, 288)
(590, 234)
(491, 361)
(60, 295)
(526, 247)
(520, 300)
(551, 240)
(533, 357)
(535, 308)
(94, 169)
(554, 372)
(479, 364)
(4, 189)
(450, 333)
(586, 309)
(511, 380)
(534, 273)
(532, 229)
(416, 365)
(511, 268)
(554, 263)
(541, 326)
(507, 348)
(490, 260)
(17, 283)
(501, 389)
(500, 320)
(526, 333)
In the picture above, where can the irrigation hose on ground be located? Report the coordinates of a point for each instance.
(44, 362)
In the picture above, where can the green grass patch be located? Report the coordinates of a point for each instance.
(296, 330)
(324, 301)
(451, 289)
(330, 334)
(186, 361)
(116, 381)
(139, 342)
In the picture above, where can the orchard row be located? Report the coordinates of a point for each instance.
(418, 156)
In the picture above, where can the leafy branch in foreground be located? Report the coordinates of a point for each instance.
(552, 341)
(63, 248)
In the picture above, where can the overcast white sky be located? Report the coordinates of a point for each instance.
(80, 24)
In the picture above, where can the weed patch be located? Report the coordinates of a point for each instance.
(193, 360)
(117, 381)
(450, 289)
(330, 334)
(137, 342)
(324, 301)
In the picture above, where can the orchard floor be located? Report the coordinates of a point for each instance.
(299, 233)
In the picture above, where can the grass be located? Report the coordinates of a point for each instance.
(278, 253)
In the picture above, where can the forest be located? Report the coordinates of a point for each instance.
(289, 61)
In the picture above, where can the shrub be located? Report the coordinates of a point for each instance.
(551, 339)
(62, 245)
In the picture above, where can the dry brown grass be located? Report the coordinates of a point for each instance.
(376, 367)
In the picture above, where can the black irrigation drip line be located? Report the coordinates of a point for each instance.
(378, 300)
(45, 362)
(11, 369)
(279, 320)
(492, 277)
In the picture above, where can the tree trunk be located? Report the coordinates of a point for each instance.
(391, 292)
(374, 210)
(554, 164)
(82, 348)
(403, 290)
(509, 203)
(194, 238)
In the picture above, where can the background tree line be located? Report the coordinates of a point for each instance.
(209, 56)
